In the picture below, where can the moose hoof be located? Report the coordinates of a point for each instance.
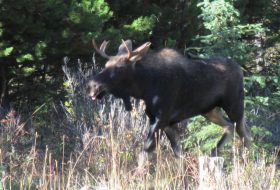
(214, 152)
(177, 151)
(149, 145)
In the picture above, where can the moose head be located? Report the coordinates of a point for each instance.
(116, 77)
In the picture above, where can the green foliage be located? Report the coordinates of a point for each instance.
(260, 136)
(218, 14)
(224, 32)
(262, 105)
(6, 52)
(25, 57)
(203, 135)
(39, 50)
(36, 35)
(140, 28)
(143, 24)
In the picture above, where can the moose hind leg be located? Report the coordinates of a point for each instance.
(236, 115)
(216, 117)
(244, 133)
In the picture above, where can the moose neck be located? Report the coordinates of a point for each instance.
(140, 82)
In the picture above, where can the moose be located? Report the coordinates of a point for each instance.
(173, 89)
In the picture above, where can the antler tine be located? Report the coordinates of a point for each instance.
(94, 44)
(129, 52)
(142, 48)
(104, 45)
(102, 48)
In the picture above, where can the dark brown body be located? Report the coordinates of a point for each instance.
(175, 88)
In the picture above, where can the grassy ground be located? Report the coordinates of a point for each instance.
(114, 160)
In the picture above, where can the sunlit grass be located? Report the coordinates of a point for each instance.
(112, 162)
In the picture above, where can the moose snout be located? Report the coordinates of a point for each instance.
(91, 89)
(94, 90)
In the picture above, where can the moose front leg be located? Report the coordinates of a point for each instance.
(153, 135)
(173, 134)
(127, 103)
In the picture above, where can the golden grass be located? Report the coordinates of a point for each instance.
(112, 162)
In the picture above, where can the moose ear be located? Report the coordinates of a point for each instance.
(140, 52)
(123, 49)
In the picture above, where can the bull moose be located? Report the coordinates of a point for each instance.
(173, 88)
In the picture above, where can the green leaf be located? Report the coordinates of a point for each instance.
(25, 57)
(263, 100)
(143, 24)
(6, 52)
(260, 80)
(39, 48)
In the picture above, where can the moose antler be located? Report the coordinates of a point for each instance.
(102, 48)
(129, 52)
(139, 51)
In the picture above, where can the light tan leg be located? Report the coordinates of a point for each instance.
(216, 117)
(244, 133)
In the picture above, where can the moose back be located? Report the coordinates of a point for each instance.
(173, 88)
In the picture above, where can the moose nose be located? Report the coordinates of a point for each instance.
(89, 87)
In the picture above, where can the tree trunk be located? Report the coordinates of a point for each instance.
(210, 173)
(3, 87)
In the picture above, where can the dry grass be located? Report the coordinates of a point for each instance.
(115, 160)
(110, 162)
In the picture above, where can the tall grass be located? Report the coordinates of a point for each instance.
(107, 152)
